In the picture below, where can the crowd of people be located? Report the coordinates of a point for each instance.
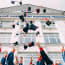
(43, 59)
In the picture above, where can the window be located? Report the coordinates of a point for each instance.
(52, 25)
(28, 38)
(5, 37)
(27, 56)
(7, 24)
(56, 56)
(51, 38)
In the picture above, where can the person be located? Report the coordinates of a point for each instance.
(44, 55)
(57, 62)
(63, 53)
(40, 60)
(3, 60)
(31, 61)
(10, 58)
(21, 61)
(16, 62)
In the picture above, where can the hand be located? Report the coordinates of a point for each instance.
(38, 44)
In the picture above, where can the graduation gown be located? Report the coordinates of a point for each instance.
(10, 58)
(41, 62)
(63, 55)
(45, 57)
(3, 60)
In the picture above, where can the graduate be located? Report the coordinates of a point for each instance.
(3, 60)
(16, 62)
(21, 61)
(63, 53)
(10, 57)
(40, 60)
(44, 56)
(31, 61)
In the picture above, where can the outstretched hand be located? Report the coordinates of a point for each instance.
(38, 44)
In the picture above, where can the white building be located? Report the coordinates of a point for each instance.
(51, 38)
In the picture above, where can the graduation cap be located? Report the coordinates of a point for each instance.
(33, 27)
(3, 60)
(22, 18)
(48, 23)
(31, 22)
(25, 46)
(37, 33)
(20, 3)
(13, 26)
(16, 43)
(44, 10)
(37, 10)
(13, 2)
(25, 29)
(31, 44)
(29, 8)
(17, 34)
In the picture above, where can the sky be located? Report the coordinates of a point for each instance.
(55, 4)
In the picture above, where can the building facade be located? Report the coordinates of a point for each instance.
(51, 37)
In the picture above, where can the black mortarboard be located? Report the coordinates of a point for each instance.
(22, 18)
(31, 22)
(25, 46)
(13, 2)
(37, 33)
(16, 43)
(44, 10)
(48, 22)
(29, 8)
(20, 3)
(37, 10)
(33, 27)
(13, 26)
(25, 29)
(17, 34)
(31, 44)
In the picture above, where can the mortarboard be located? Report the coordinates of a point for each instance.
(33, 27)
(29, 8)
(25, 46)
(16, 43)
(13, 2)
(20, 3)
(25, 29)
(44, 10)
(21, 18)
(13, 26)
(48, 23)
(31, 44)
(37, 33)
